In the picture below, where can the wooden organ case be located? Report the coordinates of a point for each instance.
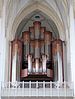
(37, 56)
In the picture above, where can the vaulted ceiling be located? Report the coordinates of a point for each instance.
(60, 9)
(65, 2)
(1, 6)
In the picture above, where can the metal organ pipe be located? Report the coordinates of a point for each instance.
(37, 49)
(26, 40)
(57, 51)
(37, 65)
(29, 63)
(42, 36)
(59, 59)
(48, 38)
(16, 60)
(31, 31)
(44, 60)
(37, 26)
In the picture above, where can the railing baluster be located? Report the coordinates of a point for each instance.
(23, 84)
(51, 88)
(27, 89)
(44, 87)
(37, 88)
(30, 88)
(23, 88)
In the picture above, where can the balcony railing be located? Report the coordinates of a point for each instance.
(37, 89)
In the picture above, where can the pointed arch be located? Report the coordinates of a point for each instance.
(46, 9)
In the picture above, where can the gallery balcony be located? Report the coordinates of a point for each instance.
(37, 89)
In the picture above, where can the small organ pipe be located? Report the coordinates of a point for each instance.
(37, 65)
(44, 60)
(29, 63)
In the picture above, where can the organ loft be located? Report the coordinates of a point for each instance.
(37, 56)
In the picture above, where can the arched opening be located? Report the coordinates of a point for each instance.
(37, 50)
(47, 10)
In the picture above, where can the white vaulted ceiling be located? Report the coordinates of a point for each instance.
(65, 2)
(16, 8)
(56, 9)
(1, 6)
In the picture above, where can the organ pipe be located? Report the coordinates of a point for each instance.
(29, 63)
(31, 31)
(42, 34)
(37, 26)
(16, 60)
(37, 49)
(48, 38)
(44, 60)
(57, 59)
(37, 65)
(26, 40)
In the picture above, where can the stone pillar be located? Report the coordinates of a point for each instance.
(72, 41)
(65, 61)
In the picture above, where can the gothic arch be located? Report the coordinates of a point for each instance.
(46, 9)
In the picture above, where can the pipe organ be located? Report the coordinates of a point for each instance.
(37, 54)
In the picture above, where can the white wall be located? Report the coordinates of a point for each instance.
(72, 42)
(2, 45)
(2, 53)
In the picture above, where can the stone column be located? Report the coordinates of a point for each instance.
(65, 61)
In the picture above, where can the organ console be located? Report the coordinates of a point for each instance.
(37, 55)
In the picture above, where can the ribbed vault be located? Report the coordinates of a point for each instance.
(32, 7)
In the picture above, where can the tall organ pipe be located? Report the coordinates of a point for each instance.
(44, 60)
(26, 40)
(57, 51)
(37, 26)
(37, 49)
(31, 31)
(16, 60)
(42, 36)
(48, 38)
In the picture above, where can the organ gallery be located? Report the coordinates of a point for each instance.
(37, 56)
